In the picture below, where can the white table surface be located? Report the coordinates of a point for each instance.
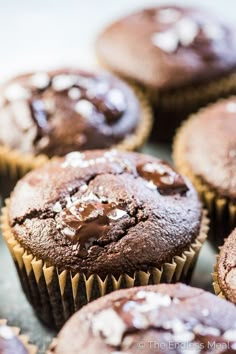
(39, 33)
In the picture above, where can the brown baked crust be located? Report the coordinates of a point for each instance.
(208, 146)
(226, 268)
(157, 213)
(168, 47)
(60, 111)
(153, 319)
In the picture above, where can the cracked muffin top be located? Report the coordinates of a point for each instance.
(167, 47)
(60, 111)
(171, 319)
(105, 212)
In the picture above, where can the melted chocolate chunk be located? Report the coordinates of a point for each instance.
(141, 313)
(164, 178)
(85, 222)
(71, 109)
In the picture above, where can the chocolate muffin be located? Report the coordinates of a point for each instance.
(96, 221)
(152, 319)
(53, 113)
(13, 343)
(205, 151)
(225, 272)
(182, 57)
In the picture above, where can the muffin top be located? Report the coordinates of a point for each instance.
(152, 319)
(60, 111)
(226, 267)
(208, 146)
(169, 46)
(9, 342)
(105, 212)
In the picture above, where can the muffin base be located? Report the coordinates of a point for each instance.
(173, 106)
(14, 164)
(222, 211)
(56, 295)
(32, 349)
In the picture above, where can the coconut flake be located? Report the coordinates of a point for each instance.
(213, 31)
(109, 325)
(16, 92)
(74, 93)
(116, 98)
(230, 335)
(63, 82)
(231, 107)
(187, 30)
(57, 207)
(116, 214)
(169, 180)
(84, 108)
(166, 41)
(40, 80)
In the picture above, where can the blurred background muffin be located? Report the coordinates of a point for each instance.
(205, 151)
(182, 57)
(48, 114)
(225, 270)
(159, 319)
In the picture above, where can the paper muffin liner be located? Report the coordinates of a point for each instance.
(215, 284)
(183, 97)
(32, 349)
(14, 164)
(174, 105)
(56, 295)
(222, 211)
(193, 95)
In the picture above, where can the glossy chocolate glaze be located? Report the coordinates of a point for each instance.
(163, 177)
(159, 319)
(105, 212)
(61, 111)
(85, 222)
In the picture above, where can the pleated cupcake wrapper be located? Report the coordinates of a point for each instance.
(221, 210)
(193, 96)
(215, 284)
(183, 97)
(56, 295)
(32, 349)
(14, 164)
